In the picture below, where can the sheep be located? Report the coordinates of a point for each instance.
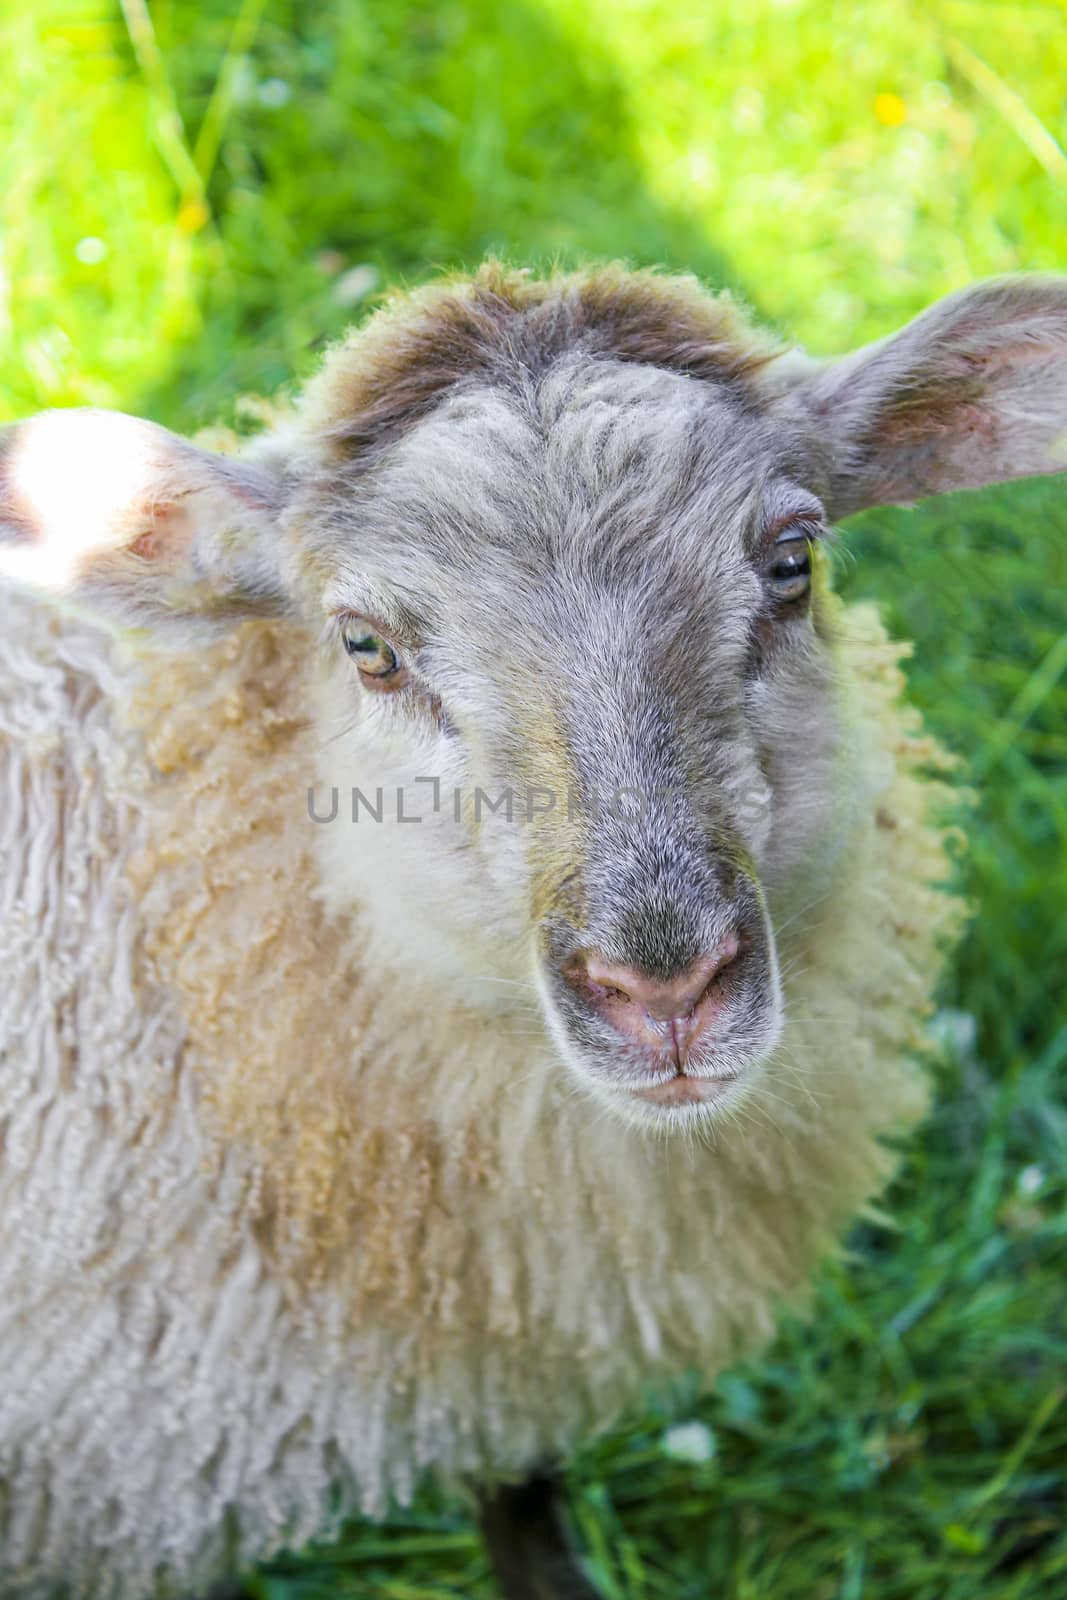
(471, 897)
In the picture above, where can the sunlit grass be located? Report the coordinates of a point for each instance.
(850, 161)
(181, 187)
(194, 197)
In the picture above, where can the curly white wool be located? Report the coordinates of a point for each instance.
(250, 1279)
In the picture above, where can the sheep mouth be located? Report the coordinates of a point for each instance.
(655, 1090)
(682, 1090)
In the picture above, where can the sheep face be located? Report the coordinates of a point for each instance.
(607, 702)
(559, 543)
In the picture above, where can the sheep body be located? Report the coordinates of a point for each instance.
(276, 1242)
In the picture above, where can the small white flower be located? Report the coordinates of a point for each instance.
(954, 1032)
(690, 1441)
(1030, 1180)
(274, 92)
(90, 251)
(354, 285)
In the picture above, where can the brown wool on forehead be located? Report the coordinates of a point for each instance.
(504, 326)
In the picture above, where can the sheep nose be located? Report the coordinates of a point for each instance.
(655, 1012)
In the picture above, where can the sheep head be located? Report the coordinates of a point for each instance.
(556, 548)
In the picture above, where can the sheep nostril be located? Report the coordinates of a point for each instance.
(633, 998)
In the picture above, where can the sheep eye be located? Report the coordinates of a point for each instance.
(789, 574)
(374, 655)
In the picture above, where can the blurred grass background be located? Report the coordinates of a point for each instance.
(196, 196)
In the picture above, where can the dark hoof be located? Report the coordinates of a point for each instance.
(526, 1536)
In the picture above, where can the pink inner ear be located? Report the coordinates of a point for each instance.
(148, 544)
(167, 534)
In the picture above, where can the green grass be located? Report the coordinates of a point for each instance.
(179, 209)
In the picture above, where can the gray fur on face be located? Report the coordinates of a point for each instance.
(578, 565)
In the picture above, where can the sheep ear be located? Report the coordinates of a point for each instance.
(972, 392)
(138, 523)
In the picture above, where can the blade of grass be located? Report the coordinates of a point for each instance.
(242, 37)
(1011, 106)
